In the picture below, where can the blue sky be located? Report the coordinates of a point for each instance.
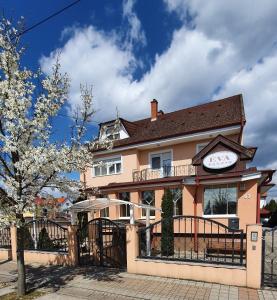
(181, 52)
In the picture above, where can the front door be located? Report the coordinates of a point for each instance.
(101, 242)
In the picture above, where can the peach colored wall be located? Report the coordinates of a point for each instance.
(182, 153)
(138, 160)
(46, 258)
(129, 163)
(5, 254)
(246, 206)
(229, 275)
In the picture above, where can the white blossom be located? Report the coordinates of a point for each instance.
(29, 160)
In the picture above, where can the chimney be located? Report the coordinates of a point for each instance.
(154, 110)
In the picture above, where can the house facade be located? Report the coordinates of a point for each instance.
(197, 153)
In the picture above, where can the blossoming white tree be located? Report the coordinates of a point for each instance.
(29, 160)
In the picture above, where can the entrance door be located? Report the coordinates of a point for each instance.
(269, 266)
(101, 242)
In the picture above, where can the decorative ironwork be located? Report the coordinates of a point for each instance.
(269, 265)
(102, 242)
(189, 238)
(45, 235)
(165, 171)
(5, 238)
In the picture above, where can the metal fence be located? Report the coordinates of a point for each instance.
(189, 238)
(269, 266)
(45, 235)
(5, 238)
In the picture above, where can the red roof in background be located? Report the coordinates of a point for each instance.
(60, 200)
(212, 115)
(265, 211)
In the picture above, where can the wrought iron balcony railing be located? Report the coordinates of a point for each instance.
(165, 171)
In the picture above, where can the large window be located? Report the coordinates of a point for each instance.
(124, 208)
(107, 167)
(177, 201)
(220, 200)
(148, 198)
(104, 213)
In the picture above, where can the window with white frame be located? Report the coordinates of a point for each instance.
(159, 160)
(112, 133)
(107, 167)
(220, 200)
(124, 208)
(200, 147)
(148, 198)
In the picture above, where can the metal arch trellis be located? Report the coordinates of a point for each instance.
(193, 239)
(269, 257)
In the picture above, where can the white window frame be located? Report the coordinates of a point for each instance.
(220, 216)
(159, 152)
(200, 145)
(120, 217)
(141, 215)
(107, 159)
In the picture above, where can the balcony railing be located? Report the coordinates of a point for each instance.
(166, 171)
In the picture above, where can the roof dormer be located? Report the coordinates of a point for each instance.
(113, 130)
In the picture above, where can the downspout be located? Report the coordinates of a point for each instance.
(195, 215)
(258, 218)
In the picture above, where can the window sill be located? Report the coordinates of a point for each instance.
(219, 216)
(93, 176)
(144, 218)
(124, 218)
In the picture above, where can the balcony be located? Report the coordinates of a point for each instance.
(166, 171)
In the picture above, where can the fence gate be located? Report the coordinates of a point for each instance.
(102, 242)
(269, 266)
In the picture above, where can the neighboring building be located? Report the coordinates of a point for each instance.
(196, 152)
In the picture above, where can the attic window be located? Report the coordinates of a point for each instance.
(112, 133)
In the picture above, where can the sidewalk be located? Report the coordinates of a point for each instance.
(91, 283)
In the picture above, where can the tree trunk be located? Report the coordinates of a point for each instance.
(21, 281)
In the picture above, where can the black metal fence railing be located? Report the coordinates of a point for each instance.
(269, 266)
(165, 171)
(189, 238)
(45, 235)
(5, 238)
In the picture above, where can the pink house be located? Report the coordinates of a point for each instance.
(198, 153)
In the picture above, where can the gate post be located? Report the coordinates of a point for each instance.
(132, 246)
(13, 231)
(72, 245)
(254, 235)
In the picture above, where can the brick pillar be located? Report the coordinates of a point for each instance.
(72, 245)
(132, 242)
(254, 256)
(14, 242)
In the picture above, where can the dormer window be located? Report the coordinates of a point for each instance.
(112, 133)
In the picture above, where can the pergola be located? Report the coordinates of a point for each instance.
(101, 203)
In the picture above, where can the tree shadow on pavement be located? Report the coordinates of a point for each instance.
(55, 277)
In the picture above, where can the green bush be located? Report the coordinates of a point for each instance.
(167, 239)
(44, 241)
(27, 240)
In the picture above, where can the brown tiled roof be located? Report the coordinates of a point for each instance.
(212, 115)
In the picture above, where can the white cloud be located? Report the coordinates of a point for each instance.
(135, 34)
(220, 50)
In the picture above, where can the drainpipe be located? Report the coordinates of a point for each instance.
(258, 218)
(195, 214)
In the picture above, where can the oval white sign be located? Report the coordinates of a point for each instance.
(220, 160)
